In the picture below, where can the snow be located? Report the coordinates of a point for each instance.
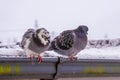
(95, 49)
(100, 53)
(12, 52)
(95, 53)
(88, 53)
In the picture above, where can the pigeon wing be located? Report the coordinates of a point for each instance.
(27, 35)
(65, 40)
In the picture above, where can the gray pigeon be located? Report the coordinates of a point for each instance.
(34, 42)
(70, 42)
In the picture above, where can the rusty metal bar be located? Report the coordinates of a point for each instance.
(54, 68)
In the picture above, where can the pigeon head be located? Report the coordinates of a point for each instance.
(43, 36)
(82, 29)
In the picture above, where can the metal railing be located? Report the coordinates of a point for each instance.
(54, 68)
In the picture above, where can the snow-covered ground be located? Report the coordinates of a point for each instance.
(10, 52)
(101, 53)
(96, 53)
(88, 53)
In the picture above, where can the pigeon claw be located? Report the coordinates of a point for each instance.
(39, 59)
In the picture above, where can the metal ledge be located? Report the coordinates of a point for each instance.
(54, 68)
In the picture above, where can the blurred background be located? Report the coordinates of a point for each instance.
(101, 16)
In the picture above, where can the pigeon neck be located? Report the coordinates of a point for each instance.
(79, 33)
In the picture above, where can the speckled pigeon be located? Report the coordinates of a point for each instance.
(35, 42)
(70, 42)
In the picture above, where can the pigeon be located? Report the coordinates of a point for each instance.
(70, 42)
(35, 42)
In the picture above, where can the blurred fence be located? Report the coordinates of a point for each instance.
(103, 43)
(91, 43)
(54, 68)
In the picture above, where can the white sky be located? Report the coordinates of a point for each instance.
(101, 16)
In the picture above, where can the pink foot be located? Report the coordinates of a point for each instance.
(39, 59)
